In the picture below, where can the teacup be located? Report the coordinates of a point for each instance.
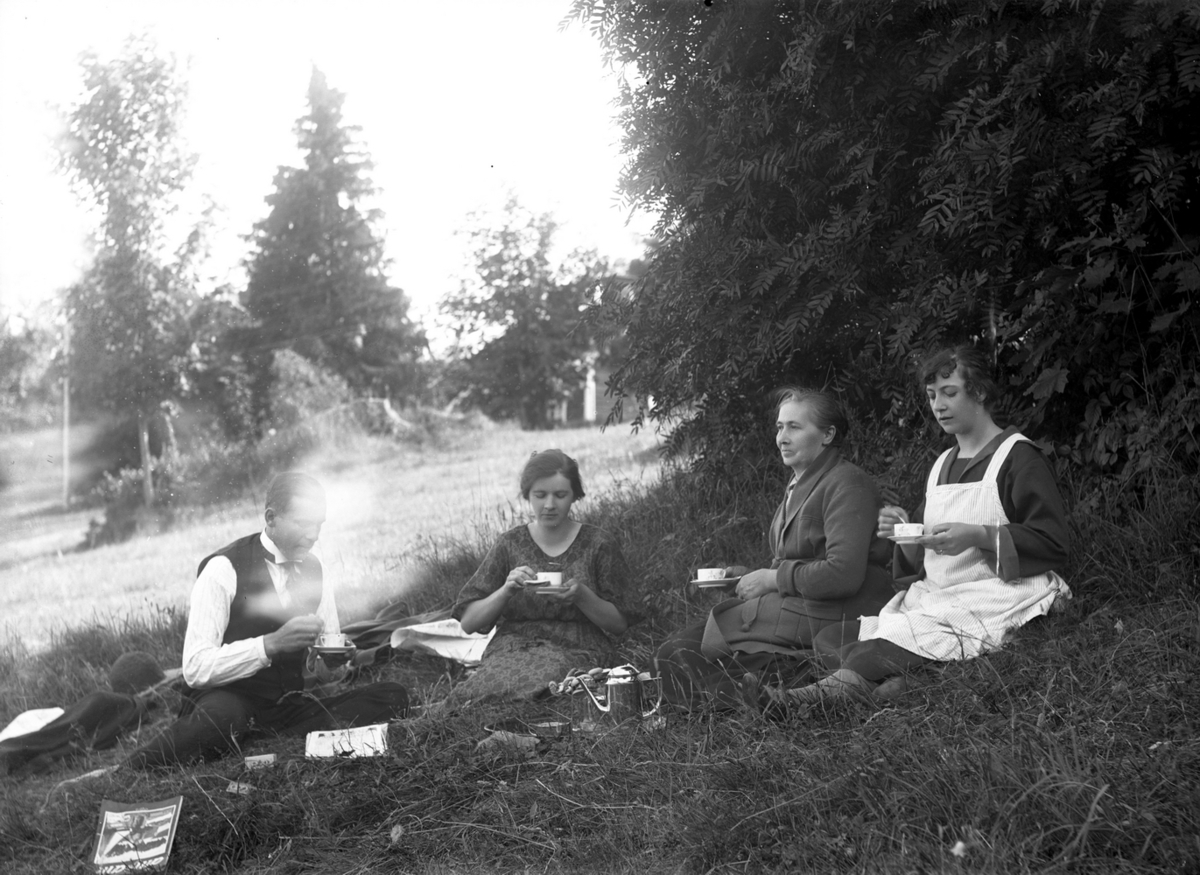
(710, 574)
(908, 530)
(331, 639)
(549, 578)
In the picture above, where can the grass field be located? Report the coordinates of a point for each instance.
(1075, 749)
(389, 503)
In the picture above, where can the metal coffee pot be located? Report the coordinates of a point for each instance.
(628, 695)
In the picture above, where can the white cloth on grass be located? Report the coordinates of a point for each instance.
(445, 638)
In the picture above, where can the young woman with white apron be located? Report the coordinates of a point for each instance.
(982, 574)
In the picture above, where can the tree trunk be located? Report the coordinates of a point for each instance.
(147, 467)
(170, 447)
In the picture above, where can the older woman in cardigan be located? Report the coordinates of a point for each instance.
(828, 567)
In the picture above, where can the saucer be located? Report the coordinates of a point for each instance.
(721, 583)
(333, 651)
(550, 728)
(545, 588)
(906, 539)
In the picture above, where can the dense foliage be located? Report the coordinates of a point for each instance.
(519, 345)
(318, 280)
(844, 185)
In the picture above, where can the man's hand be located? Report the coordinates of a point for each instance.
(296, 634)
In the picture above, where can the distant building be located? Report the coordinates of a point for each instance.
(590, 402)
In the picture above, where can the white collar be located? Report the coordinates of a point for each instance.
(276, 555)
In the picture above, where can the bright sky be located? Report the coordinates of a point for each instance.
(459, 101)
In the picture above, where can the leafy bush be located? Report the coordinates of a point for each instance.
(843, 186)
(227, 383)
(301, 389)
(124, 510)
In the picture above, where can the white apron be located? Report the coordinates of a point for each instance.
(960, 609)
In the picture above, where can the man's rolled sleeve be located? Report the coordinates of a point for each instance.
(207, 662)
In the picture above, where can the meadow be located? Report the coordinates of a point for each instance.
(1073, 749)
(389, 503)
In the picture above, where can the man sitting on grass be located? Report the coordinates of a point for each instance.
(257, 607)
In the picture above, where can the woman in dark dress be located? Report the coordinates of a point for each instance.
(828, 566)
(541, 635)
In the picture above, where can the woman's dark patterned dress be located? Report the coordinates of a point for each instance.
(538, 638)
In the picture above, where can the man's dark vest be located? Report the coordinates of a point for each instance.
(257, 610)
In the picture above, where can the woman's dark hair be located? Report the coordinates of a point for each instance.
(827, 410)
(546, 464)
(974, 365)
(290, 485)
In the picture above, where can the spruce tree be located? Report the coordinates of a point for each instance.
(318, 282)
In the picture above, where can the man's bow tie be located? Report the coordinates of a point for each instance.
(289, 567)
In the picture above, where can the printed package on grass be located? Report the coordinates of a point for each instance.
(361, 741)
(135, 836)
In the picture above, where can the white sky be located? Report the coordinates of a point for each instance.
(459, 101)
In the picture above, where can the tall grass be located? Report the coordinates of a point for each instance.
(1137, 540)
(1073, 749)
(78, 659)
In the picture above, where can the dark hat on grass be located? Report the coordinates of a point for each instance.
(134, 672)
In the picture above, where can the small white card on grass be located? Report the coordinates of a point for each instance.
(135, 837)
(361, 741)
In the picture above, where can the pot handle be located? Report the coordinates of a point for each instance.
(658, 690)
(587, 688)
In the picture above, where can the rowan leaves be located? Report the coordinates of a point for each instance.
(844, 185)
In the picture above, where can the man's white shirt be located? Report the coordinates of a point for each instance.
(207, 662)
